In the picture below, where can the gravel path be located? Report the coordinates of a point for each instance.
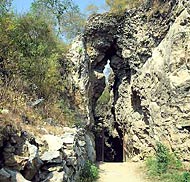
(122, 172)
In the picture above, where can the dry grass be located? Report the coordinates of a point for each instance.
(15, 101)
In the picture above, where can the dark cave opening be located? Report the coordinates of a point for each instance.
(186, 128)
(99, 65)
(109, 146)
(113, 151)
(136, 102)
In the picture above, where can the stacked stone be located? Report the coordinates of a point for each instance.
(54, 159)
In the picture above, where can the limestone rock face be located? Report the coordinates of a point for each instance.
(79, 78)
(160, 92)
(149, 53)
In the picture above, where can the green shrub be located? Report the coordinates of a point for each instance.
(165, 166)
(162, 158)
(151, 164)
(121, 5)
(70, 114)
(89, 172)
(186, 177)
(176, 176)
(163, 161)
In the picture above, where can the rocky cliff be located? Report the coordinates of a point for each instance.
(149, 54)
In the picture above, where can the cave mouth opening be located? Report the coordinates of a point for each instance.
(109, 145)
(113, 150)
(108, 139)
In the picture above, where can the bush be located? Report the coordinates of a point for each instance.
(175, 177)
(89, 172)
(162, 158)
(165, 166)
(32, 67)
(122, 5)
(163, 161)
(186, 177)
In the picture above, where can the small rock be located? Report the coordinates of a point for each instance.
(68, 138)
(68, 153)
(57, 168)
(54, 142)
(71, 161)
(33, 164)
(81, 143)
(52, 157)
(4, 176)
(55, 177)
(16, 176)
(4, 111)
(35, 103)
(136, 158)
(69, 130)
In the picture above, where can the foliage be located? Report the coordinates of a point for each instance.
(64, 14)
(162, 158)
(5, 6)
(116, 5)
(92, 9)
(35, 51)
(31, 67)
(165, 166)
(105, 97)
(33, 37)
(7, 26)
(72, 24)
(163, 161)
(89, 172)
(102, 104)
(121, 5)
(186, 176)
(54, 7)
(69, 114)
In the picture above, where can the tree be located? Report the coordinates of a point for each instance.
(6, 26)
(116, 5)
(72, 24)
(37, 53)
(121, 5)
(64, 14)
(5, 6)
(33, 36)
(91, 9)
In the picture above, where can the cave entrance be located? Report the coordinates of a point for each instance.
(110, 145)
(113, 147)
(109, 135)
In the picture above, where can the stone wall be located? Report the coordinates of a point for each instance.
(48, 158)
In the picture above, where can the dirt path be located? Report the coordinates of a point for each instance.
(122, 172)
